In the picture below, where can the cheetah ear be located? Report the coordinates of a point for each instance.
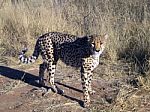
(90, 38)
(105, 37)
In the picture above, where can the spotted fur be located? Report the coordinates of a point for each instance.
(80, 52)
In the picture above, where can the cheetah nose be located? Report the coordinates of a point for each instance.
(97, 50)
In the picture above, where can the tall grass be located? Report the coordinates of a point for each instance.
(126, 22)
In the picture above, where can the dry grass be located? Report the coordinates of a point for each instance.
(126, 22)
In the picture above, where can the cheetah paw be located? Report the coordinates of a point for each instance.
(57, 90)
(60, 91)
(86, 104)
(92, 92)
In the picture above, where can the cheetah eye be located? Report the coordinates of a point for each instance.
(93, 44)
(101, 43)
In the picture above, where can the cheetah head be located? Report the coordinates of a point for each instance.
(98, 42)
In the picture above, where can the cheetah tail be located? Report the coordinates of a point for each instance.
(31, 59)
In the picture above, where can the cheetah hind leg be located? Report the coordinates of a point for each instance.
(42, 69)
(54, 88)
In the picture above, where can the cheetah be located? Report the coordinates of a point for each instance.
(80, 52)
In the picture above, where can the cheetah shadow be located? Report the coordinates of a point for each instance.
(33, 80)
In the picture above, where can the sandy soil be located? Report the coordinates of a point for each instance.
(20, 92)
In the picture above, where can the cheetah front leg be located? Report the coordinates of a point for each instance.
(90, 76)
(85, 85)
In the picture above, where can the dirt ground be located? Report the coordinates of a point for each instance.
(20, 92)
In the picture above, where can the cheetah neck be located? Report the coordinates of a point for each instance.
(96, 55)
(95, 58)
